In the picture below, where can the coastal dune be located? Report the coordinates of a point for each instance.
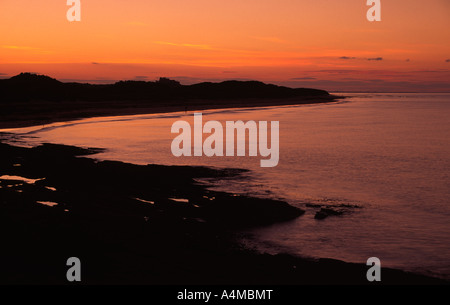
(30, 99)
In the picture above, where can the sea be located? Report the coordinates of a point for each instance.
(381, 158)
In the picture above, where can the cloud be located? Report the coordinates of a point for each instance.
(303, 78)
(431, 71)
(3, 74)
(140, 77)
(25, 48)
(336, 71)
(188, 45)
(269, 39)
(447, 60)
(229, 71)
(18, 47)
(95, 63)
(370, 58)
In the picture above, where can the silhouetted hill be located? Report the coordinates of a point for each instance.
(33, 79)
(27, 86)
(29, 99)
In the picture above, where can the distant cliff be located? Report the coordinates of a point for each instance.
(27, 86)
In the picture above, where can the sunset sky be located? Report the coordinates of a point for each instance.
(327, 44)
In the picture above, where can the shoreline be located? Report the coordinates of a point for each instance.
(43, 112)
(153, 223)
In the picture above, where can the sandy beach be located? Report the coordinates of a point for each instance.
(44, 112)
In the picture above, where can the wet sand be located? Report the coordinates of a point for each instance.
(153, 224)
(27, 113)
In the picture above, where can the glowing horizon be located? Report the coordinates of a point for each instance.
(322, 44)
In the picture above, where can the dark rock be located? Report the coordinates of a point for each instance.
(325, 212)
(312, 205)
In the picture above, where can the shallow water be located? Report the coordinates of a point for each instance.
(389, 154)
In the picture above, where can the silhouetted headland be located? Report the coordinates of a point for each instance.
(30, 99)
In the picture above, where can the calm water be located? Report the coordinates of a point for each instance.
(387, 153)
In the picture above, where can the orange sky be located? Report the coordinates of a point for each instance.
(325, 44)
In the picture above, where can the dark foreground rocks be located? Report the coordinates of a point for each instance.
(133, 224)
